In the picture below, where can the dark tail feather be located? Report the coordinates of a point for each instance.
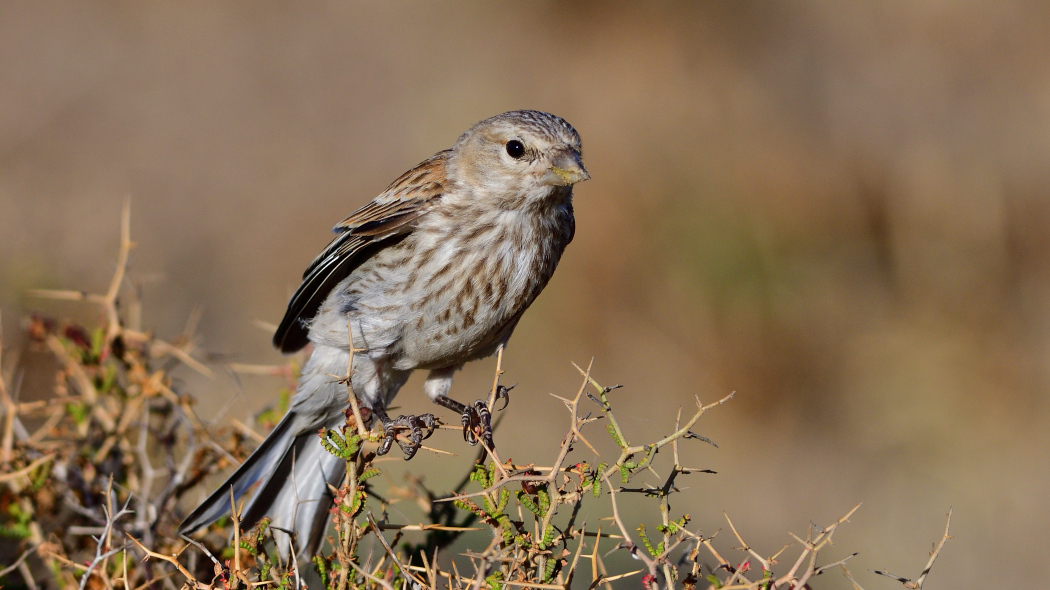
(296, 472)
(260, 464)
(297, 497)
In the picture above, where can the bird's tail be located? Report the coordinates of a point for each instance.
(283, 458)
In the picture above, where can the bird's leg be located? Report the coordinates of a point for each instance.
(476, 419)
(421, 427)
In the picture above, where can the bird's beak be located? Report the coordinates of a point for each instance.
(567, 168)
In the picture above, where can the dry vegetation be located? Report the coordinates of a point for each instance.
(93, 476)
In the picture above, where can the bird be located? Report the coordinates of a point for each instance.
(433, 273)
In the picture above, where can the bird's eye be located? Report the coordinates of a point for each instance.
(515, 149)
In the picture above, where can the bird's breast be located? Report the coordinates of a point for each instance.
(457, 287)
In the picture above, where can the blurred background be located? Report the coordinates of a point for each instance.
(838, 212)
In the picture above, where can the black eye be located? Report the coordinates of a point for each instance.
(515, 149)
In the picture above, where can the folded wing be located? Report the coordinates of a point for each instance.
(377, 225)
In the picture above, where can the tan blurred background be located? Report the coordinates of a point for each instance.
(840, 213)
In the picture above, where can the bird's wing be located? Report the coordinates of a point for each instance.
(372, 227)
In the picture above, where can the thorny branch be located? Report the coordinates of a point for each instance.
(918, 582)
(119, 432)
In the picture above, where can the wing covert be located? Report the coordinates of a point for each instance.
(378, 224)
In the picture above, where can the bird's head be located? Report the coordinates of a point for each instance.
(521, 154)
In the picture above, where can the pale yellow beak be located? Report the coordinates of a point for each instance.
(567, 168)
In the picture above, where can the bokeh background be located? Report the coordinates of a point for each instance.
(839, 212)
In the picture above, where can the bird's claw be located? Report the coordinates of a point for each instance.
(503, 392)
(477, 421)
(420, 428)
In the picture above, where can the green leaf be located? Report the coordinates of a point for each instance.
(529, 505)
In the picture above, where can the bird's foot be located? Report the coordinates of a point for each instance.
(419, 427)
(476, 419)
(477, 424)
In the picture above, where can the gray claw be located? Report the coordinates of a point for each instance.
(503, 392)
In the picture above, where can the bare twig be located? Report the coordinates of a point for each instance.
(389, 551)
(918, 582)
(18, 562)
(8, 437)
(104, 540)
(173, 559)
(22, 475)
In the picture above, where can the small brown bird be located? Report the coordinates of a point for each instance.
(433, 273)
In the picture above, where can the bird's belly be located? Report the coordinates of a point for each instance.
(451, 332)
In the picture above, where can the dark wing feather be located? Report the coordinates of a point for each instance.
(376, 225)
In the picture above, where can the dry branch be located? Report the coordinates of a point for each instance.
(118, 432)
